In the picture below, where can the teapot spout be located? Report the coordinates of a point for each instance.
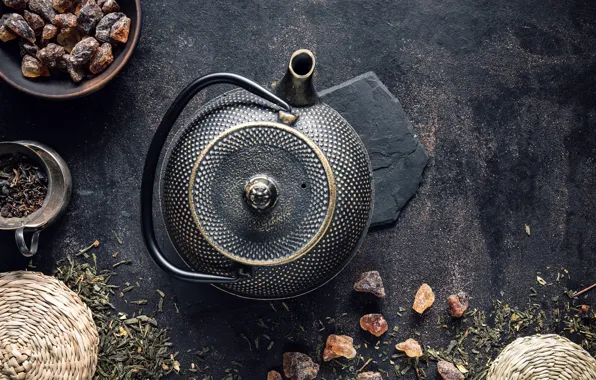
(296, 87)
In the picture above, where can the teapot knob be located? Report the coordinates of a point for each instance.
(260, 193)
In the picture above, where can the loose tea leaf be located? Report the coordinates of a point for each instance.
(130, 348)
(23, 185)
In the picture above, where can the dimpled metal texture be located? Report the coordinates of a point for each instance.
(352, 173)
(237, 230)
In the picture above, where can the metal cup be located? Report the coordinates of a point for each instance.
(57, 198)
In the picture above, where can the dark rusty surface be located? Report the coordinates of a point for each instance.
(500, 93)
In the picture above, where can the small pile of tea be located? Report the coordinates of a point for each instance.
(130, 347)
(67, 35)
(23, 186)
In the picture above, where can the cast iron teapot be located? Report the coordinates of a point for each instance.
(266, 195)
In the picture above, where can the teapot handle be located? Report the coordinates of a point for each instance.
(152, 160)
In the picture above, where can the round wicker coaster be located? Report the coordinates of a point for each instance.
(543, 357)
(46, 331)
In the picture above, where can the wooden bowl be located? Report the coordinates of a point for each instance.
(59, 85)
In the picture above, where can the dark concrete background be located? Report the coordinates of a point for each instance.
(502, 95)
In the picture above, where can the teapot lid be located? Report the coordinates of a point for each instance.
(262, 193)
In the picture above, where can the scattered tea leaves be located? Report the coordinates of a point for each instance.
(130, 348)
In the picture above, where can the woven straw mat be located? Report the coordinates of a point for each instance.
(543, 357)
(46, 331)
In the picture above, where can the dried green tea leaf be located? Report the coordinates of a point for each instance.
(130, 348)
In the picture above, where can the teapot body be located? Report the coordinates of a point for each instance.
(284, 199)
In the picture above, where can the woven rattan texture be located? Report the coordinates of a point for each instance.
(543, 357)
(46, 331)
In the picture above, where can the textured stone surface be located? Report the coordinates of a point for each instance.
(501, 95)
(398, 158)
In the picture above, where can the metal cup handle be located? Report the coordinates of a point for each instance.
(27, 251)
(152, 160)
